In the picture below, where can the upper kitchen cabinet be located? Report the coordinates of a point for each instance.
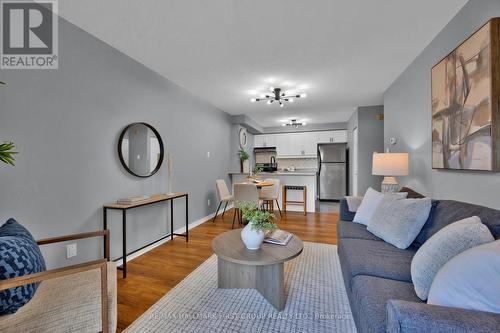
(265, 140)
(301, 144)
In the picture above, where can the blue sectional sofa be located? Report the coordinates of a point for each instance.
(378, 280)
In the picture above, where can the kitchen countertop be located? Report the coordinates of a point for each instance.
(282, 173)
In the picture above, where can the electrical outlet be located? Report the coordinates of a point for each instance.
(208, 154)
(71, 250)
(208, 202)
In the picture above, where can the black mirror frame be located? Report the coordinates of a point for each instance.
(120, 155)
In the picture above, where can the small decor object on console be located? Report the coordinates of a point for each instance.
(131, 200)
(259, 221)
(390, 165)
(244, 160)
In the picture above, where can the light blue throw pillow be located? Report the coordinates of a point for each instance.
(398, 221)
(470, 280)
(448, 242)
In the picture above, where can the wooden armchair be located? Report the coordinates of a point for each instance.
(45, 313)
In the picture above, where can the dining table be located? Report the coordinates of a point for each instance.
(259, 184)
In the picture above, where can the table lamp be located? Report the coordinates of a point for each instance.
(390, 165)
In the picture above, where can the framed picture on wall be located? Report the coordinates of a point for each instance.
(465, 104)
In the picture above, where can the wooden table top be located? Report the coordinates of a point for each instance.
(259, 184)
(152, 199)
(230, 247)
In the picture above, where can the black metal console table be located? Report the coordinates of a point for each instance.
(124, 207)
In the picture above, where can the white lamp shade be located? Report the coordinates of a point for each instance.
(390, 164)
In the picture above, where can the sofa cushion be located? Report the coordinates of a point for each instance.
(344, 212)
(348, 229)
(399, 221)
(19, 255)
(411, 193)
(374, 258)
(442, 246)
(370, 296)
(449, 211)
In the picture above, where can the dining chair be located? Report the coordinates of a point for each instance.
(224, 196)
(244, 192)
(269, 194)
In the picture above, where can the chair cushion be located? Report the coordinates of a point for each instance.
(374, 258)
(371, 294)
(349, 229)
(441, 247)
(19, 255)
(67, 304)
(449, 211)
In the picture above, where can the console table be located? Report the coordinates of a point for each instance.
(152, 200)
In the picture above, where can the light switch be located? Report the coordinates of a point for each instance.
(71, 250)
(208, 154)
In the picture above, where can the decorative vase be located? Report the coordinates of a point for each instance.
(246, 166)
(252, 238)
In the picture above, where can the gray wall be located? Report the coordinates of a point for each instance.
(370, 139)
(408, 115)
(66, 124)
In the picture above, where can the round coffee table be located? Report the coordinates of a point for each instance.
(263, 269)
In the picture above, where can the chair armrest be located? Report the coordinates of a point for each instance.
(65, 271)
(100, 233)
(412, 317)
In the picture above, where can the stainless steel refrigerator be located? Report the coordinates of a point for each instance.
(332, 173)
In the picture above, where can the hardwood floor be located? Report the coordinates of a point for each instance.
(153, 274)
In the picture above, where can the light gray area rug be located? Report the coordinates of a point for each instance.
(316, 301)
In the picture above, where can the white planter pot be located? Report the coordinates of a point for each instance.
(246, 166)
(252, 238)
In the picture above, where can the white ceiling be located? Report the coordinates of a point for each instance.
(345, 53)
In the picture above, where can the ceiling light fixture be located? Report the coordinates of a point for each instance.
(294, 123)
(278, 96)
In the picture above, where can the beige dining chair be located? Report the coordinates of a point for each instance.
(269, 194)
(244, 192)
(224, 196)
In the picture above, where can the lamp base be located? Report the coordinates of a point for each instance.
(389, 185)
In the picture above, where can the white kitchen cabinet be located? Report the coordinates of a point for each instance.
(340, 136)
(302, 144)
(265, 140)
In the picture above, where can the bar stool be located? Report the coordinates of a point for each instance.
(302, 203)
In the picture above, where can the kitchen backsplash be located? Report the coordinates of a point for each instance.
(298, 163)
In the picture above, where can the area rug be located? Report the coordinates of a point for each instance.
(316, 301)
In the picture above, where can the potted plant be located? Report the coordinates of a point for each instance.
(244, 161)
(259, 222)
(7, 152)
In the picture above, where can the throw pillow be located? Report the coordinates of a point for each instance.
(19, 255)
(411, 193)
(370, 202)
(459, 285)
(441, 247)
(398, 221)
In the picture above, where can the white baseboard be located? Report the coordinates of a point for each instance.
(163, 241)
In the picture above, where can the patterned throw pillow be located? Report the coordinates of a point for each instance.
(19, 255)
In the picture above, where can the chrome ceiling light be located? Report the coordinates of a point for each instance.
(277, 96)
(294, 123)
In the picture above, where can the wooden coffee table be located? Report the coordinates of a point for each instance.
(263, 269)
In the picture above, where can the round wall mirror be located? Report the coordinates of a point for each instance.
(140, 149)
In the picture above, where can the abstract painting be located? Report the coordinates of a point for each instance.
(465, 120)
